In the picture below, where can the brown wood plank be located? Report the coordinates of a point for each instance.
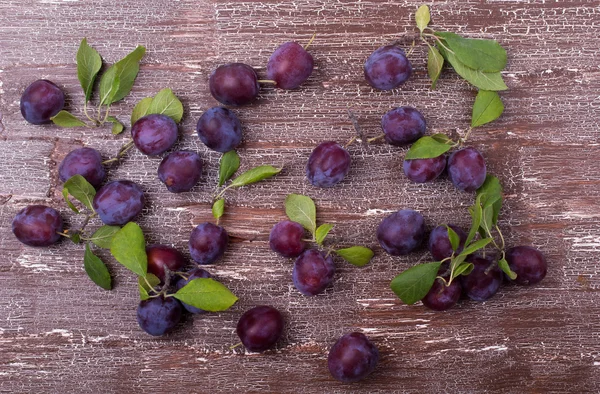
(60, 333)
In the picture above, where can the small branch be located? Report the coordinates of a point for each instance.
(371, 140)
(310, 41)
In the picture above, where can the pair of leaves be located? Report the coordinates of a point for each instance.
(165, 103)
(429, 147)
(78, 187)
(301, 209)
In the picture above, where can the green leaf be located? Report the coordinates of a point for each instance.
(301, 209)
(166, 103)
(463, 269)
(129, 248)
(254, 175)
(475, 246)
(218, 208)
(453, 237)
(206, 294)
(109, 85)
(143, 286)
(117, 127)
(141, 109)
(104, 235)
(322, 232)
(476, 215)
(65, 193)
(422, 17)
(435, 64)
(230, 162)
(478, 54)
(482, 80)
(96, 269)
(443, 139)
(487, 108)
(124, 71)
(81, 189)
(89, 63)
(67, 119)
(426, 148)
(356, 255)
(76, 238)
(503, 264)
(491, 194)
(414, 283)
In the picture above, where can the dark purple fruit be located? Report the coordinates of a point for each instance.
(403, 125)
(313, 272)
(86, 162)
(208, 243)
(260, 328)
(118, 202)
(528, 263)
(161, 257)
(158, 315)
(41, 101)
(401, 232)
(441, 297)
(387, 68)
(286, 239)
(352, 358)
(219, 129)
(37, 225)
(466, 169)
(196, 273)
(234, 84)
(485, 279)
(439, 244)
(154, 134)
(290, 65)
(328, 164)
(180, 171)
(424, 170)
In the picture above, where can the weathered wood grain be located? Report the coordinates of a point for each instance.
(60, 333)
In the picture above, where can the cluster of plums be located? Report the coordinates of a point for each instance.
(353, 356)
(404, 231)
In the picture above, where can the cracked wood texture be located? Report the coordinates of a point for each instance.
(61, 333)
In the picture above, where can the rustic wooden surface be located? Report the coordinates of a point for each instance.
(61, 333)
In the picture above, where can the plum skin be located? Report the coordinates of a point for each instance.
(352, 358)
(439, 244)
(196, 273)
(328, 164)
(485, 279)
(37, 225)
(401, 232)
(466, 169)
(528, 263)
(154, 134)
(387, 68)
(260, 328)
(86, 162)
(161, 257)
(286, 239)
(207, 243)
(403, 125)
(290, 65)
(442, 297)
(180, 171)
(219, 129)
(118, 202)
(234, 84)
(313, 272)
(158, 316)
(40, 101)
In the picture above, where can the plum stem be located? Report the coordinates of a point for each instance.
(63, 234)
(310, 41)
(501, 238)
(150, 286)
(121, 153)
(412, 48)
(85, 111)
(269, 81)
(370, 140)
(235, 346)
(350, 142)
(464, 140)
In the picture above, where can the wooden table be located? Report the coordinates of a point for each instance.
(61, 333)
